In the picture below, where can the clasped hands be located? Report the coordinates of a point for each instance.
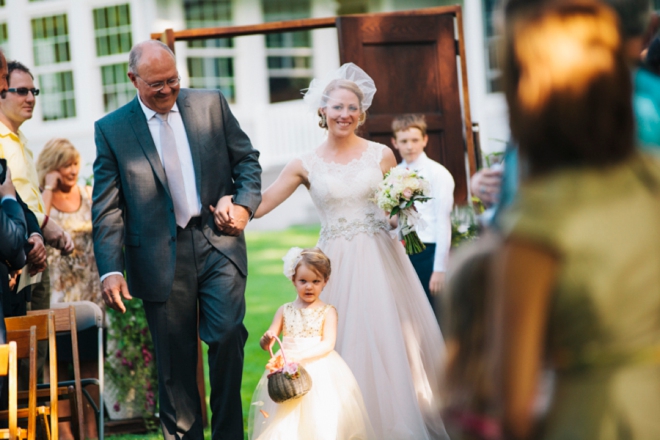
(55, 237)
(229, 218)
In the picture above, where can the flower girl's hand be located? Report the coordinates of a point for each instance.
(267, 340)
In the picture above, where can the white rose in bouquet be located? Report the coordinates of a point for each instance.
(397, 194)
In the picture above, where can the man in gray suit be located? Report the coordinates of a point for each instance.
(171, 166)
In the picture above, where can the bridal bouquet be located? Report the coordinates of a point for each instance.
(397, 194)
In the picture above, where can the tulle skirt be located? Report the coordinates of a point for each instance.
(387, 334)
(332, 410)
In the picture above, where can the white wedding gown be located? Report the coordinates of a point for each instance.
(387, 333)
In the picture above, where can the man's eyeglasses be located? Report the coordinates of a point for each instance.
(23, 91)
(160, 85)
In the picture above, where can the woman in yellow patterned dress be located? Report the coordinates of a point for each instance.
(73, 277)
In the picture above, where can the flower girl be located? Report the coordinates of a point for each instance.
(333, 409)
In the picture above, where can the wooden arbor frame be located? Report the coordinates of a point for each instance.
(169, 37)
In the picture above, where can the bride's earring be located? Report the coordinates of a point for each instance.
(323, 123)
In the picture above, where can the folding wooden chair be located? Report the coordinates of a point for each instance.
(8, 368)
(90, 316)
(22, 329)
(26, 348)
(65, 322)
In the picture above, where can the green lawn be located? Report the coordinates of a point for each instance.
(267, 289)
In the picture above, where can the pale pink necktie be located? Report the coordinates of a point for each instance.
(172, 166)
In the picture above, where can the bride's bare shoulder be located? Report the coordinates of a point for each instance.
(296, 167)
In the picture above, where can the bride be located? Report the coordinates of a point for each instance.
(387, 333)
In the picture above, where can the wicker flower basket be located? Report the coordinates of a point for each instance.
(282, 386)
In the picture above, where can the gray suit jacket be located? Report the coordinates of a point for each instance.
(132, 211)
(13, 234)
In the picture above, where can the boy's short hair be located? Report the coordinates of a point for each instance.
(407, 121)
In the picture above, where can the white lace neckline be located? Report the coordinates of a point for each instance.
(350, 162)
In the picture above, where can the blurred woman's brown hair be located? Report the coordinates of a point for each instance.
(567, 84)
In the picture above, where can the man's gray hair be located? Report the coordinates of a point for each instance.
(633, 14)
(136, 53)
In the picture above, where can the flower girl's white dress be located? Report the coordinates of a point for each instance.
(387, 333)
(332, 410)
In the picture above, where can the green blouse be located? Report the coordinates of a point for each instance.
(603, 335)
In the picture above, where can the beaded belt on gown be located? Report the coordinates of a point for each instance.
(349, 229)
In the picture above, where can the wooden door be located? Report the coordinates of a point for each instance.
(413, 61)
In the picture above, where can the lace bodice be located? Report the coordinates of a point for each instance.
(303, 323)
(342, 193)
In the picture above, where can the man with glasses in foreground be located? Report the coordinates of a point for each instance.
(167, 164)
(17, 103)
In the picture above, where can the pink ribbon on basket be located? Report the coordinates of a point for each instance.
(293, 366)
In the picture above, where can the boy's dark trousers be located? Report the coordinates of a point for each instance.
(423, 264)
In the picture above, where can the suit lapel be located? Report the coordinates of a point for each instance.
(188, 116)
(141, 129)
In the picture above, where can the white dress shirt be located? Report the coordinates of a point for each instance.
(182, 146)
(437, 211)
(185, 157)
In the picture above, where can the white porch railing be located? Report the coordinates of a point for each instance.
(285, 131)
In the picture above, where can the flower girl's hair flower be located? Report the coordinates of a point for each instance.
(291, 261)
(314, 258)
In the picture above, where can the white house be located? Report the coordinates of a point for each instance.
(78, 51)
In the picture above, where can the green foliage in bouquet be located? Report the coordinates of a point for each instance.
(133, 366)
(397, 194)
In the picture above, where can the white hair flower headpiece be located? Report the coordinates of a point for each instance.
(316, 97)
(291, 261)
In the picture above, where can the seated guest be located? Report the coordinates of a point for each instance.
(73, 277)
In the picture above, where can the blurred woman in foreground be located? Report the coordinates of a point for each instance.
(577, 283)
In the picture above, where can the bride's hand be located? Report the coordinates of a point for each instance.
(223, 214)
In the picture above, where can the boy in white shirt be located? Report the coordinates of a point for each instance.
(410, 139)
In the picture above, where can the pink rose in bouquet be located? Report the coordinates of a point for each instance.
(400, 189)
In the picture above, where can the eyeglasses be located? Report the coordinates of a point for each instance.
(23, 91)
(160, 85)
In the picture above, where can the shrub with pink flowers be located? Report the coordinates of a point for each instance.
(133, 369)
